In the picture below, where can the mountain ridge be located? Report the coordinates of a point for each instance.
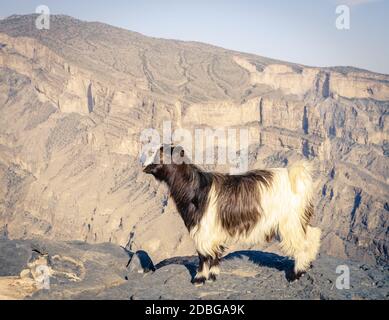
(331, 67)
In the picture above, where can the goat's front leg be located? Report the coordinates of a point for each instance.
(214, 269)
(203, 270)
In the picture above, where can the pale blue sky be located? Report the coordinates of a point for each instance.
(301, 31)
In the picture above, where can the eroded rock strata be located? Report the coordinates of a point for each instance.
(74, 99)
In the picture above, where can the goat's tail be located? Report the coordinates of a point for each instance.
(300, 177)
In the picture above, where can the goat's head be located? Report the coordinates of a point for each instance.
(157, 161)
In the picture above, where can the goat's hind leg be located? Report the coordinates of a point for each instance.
(304, 259)
(301, 246)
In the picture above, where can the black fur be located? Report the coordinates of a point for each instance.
(189, 187)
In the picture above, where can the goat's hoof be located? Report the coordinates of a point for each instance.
(212, 277)
(294, 276)
(199, 281)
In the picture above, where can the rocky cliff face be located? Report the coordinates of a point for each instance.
(75, 98)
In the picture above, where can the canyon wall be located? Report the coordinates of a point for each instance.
(74, 100)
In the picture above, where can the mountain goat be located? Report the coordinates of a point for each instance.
(221, 209)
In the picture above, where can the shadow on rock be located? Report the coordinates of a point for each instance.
(190, 263)
(140, 262)
(264, 259)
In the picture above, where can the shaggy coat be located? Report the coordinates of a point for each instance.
(220, 209)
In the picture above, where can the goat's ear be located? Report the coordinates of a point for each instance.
(165, 153)
(178, 155)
